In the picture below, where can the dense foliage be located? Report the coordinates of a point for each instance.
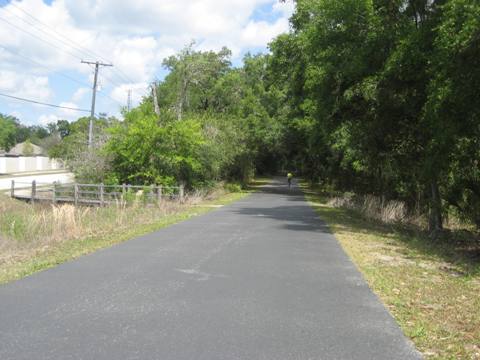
(211, 122)
(373, 96)
(383, 99)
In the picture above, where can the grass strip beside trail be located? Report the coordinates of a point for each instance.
(44, 258)
(434, 296)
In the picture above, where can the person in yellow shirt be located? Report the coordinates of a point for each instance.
(289, 178)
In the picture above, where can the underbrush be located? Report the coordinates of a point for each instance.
(30, 233)
(373, 207)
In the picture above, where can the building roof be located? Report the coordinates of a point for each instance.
(19, 150)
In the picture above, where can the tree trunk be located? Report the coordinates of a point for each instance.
(183, 97)
(436, 221)
(155, 99)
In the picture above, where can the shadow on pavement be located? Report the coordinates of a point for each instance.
(295, 217)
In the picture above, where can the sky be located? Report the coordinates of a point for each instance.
(42, 43)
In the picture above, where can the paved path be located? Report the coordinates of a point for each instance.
(259, 279)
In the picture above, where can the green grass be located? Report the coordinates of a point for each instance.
(432, 288)
(35, 254)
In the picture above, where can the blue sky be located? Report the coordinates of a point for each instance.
(43, 42)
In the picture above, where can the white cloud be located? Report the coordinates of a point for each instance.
(286, 8)
(63, 114)
(46, 119)
(134, 35)
(194, 17)
(260, 33)
(139, 90)
(136, 58)
(16, 114)
(69, 114)
(24, 85)
(79, 95)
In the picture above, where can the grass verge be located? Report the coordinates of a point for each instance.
(36, 238)
(432, 288)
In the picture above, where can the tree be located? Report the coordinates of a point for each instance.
(88, 164)
(61, 127)
(27, 148)
(192, 76)
(8, 131)
(145, 153)
(452, 110)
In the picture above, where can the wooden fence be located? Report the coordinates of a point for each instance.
(94, 194)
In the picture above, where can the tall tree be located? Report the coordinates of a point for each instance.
(192, 76)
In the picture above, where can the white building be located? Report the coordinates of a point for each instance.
(26, 158)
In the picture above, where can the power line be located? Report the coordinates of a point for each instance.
(76, 48)
(59, 73)
(53, 45)
(41, 39)
(44, 104)
(14, 52)
(69, 42)
(109, 79)
(59, 35)
(49, 35)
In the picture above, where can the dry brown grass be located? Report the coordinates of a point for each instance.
(375, 208)
(28, 231)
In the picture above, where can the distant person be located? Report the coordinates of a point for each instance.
(289, 179)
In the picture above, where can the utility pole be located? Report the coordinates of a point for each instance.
(129, 100)
(94, 94)
(155, 100)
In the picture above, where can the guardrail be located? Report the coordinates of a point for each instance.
(94, 194)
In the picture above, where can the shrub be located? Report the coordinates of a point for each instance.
(233, 187)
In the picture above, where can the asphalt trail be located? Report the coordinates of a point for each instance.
(259, 279)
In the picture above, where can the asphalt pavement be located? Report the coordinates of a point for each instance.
(262, 278)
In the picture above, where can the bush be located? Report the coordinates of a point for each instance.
(233, 187)
(373, 207)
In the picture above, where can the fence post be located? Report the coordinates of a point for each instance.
(54, 194)
(75, 194)
(12, 189)
(34, 191)
(159, 194)
(182, 191)
(101, 195)
(124, 190)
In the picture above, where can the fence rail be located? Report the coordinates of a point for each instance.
(94, 194)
